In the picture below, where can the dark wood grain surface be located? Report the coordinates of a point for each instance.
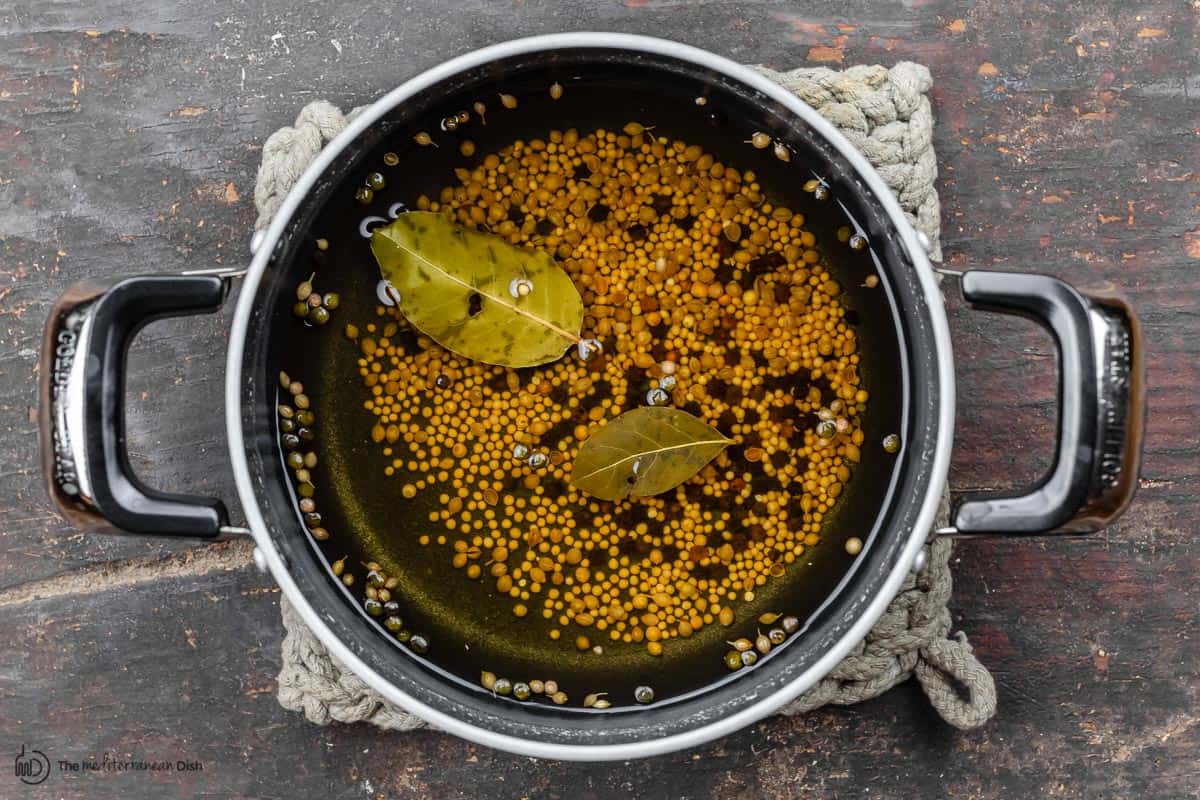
(1069, 139)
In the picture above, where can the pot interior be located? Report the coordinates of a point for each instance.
(826, 589)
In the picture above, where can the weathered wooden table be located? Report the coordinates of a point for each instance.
(1069, 137)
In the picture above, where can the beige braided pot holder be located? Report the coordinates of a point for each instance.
(885, 113)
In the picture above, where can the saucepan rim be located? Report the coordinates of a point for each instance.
(941, 362)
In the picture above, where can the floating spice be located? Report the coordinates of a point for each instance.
(311, 306)
(645, 452)
(453, 286)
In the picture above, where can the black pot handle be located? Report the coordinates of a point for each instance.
(1102, 407)
(82, 406)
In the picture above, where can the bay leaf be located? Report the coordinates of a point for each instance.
(645, 452)
(477, 295)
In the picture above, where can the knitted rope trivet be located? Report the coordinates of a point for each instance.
(885, 113)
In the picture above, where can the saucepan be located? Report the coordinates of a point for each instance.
(1101, 400)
